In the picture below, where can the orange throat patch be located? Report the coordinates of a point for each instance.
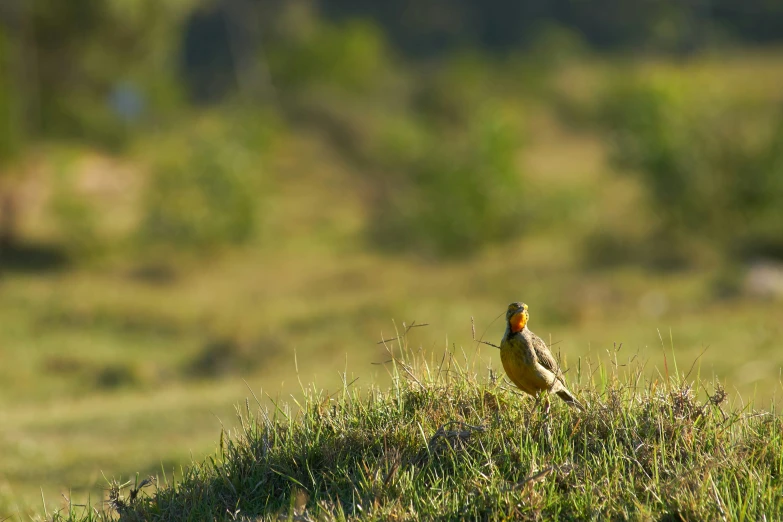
(518, 322)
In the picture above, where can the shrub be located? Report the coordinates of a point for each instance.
(454, 193)
(205, 188)
(453, 92)
(77, 225)
(352, 56)
(10, 104)
(712, 165)
(76, 222)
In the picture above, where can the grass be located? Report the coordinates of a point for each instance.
(443, 443)
(62, 429)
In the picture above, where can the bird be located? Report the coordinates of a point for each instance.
(527, 359)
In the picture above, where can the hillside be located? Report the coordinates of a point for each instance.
(444, 443)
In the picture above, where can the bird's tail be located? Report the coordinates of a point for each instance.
(566, 395)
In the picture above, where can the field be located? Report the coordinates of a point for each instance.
(132, 364)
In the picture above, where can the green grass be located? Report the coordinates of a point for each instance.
(444, 443)
(62, 430)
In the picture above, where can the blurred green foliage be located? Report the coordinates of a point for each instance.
(74, 55)
(351, 56)
(198, 201)
(711, 163)
(451, 95)
(206, 186)
(425, 27)
(440, 163)
(11, 123)
(76, 219)
(452, 193)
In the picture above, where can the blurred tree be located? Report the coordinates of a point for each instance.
(12, 109)
(202, 199)
(81, 70)
(205, 190)
(79, 52)
(207, 59)
(308, 52)
(448, 193)
(757, 21)
(222, 52)
(712, 164)
(426, 26)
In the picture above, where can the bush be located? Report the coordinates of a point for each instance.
(107, 46)
(10, 104)
(453, 92)
(712, 165)
(205, 187)
(352, 56)
(453, 193)
(74, 213)
(77, 222)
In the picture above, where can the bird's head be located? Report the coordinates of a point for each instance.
(517, 316)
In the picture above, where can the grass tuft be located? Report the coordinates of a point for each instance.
(445, 443)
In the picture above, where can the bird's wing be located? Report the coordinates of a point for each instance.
(545, 357)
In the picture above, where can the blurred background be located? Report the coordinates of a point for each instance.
(198, 194)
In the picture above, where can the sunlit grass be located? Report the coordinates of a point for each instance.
(443, 442)
(79, 429)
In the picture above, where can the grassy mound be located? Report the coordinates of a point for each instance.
(443, 443)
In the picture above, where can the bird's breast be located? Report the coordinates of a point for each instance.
(519, 364)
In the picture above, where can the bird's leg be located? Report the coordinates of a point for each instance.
(547, 405)
(538, 400)
(542, 398)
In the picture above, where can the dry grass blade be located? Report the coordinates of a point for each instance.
(407, 329)
(452, 435)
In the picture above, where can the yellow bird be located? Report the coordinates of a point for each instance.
(527, 359)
